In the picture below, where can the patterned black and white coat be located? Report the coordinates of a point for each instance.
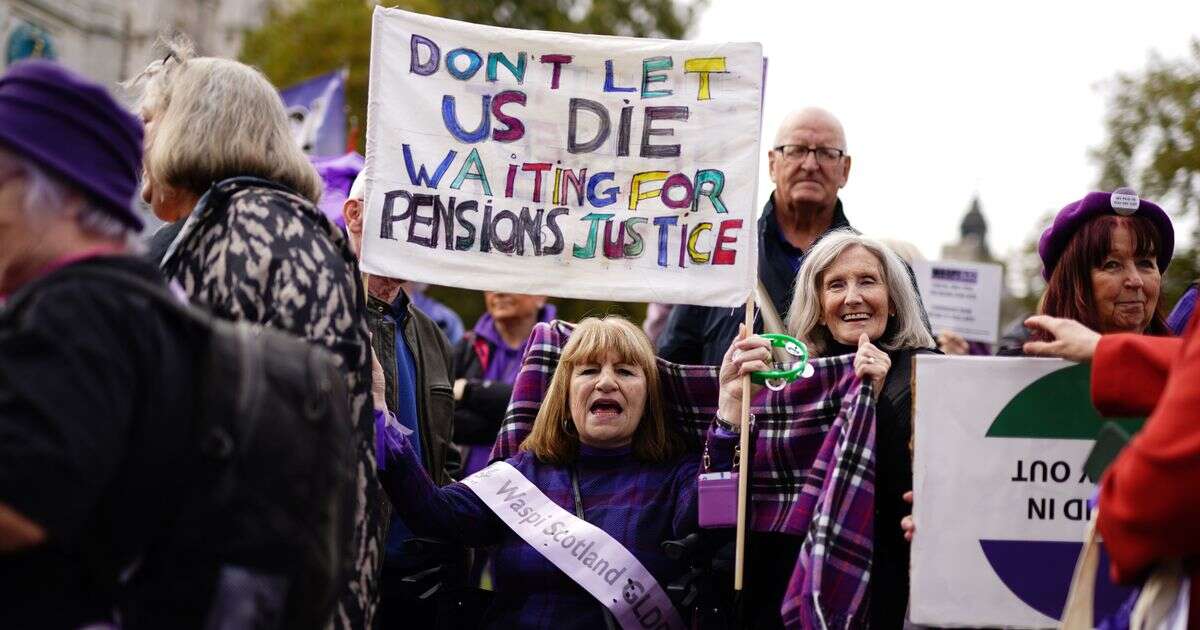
(257, 251)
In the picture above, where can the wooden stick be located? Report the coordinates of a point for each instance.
(739, 561)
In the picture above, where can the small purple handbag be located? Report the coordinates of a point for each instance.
(718, 494)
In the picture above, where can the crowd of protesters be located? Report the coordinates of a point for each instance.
(101, 388)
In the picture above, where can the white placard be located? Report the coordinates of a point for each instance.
(1001, 496)
(963, 297)
(568, 165)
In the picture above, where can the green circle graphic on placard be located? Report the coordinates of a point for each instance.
(1055, 406)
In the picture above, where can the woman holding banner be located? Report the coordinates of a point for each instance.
(853, 296)
(578, 516)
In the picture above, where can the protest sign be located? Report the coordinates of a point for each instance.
(568, 165)
(1001, 495)
(963, 297)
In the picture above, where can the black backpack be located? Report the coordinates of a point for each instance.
(266, 526)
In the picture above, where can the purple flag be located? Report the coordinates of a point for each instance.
(338, 173)
(317, 112)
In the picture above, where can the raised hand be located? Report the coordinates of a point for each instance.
(748, 353)
(1070, 339)
(871, 363)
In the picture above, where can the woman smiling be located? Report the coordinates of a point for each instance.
(1103, 260)
(853, 295)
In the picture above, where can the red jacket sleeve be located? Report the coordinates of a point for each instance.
(1150, 496)
(1129, 372)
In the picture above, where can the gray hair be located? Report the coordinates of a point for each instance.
(47, 196)
(907, 251)
(804, 316)
(214, 119)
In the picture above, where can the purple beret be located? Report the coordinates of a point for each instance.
(75, 130)
(1120, 202)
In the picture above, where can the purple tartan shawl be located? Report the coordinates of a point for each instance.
(813, 466)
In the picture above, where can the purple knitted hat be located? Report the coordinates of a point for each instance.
(75, 130)
(1122, 202)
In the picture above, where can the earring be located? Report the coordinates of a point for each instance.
(568, 427)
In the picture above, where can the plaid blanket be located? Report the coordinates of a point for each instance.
(812, 473)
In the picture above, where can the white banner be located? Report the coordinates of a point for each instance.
(566, 165)
(1001, 496)
(587, 554)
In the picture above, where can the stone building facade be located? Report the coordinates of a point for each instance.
(110, 40)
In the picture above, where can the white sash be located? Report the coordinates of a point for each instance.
(586, 553)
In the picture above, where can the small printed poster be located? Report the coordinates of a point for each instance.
(963, 297)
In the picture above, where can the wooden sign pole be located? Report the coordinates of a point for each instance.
(743, 465)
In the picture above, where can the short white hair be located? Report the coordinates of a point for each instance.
(46, 197)
(804, 316)
(811, 117)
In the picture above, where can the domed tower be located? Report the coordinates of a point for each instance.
(972, 243)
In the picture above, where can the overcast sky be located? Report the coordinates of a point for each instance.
(942, 100)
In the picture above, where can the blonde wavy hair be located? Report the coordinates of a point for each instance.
(214, 119)
(591, 341)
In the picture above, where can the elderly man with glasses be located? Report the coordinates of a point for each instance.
(809, 165)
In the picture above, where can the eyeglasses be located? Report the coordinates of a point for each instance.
(826, 156)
